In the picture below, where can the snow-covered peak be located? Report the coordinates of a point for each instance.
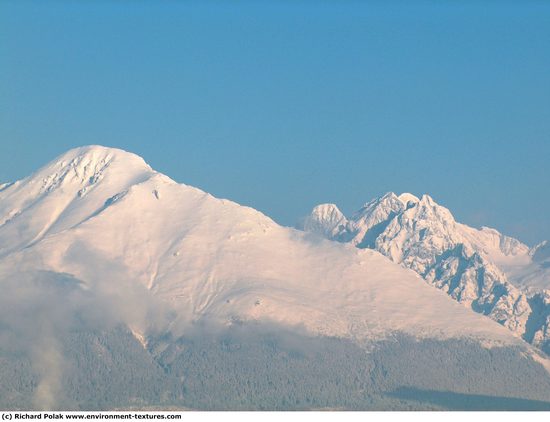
(88, 165)
(418, 234)
(377, 215)
(427, 208)
(388, 199)
(374, 213)
(428, 200)
(325, 219)
(71, 188)
(98, 153)
(408, 198)
(471, 265)
(327, 212)
(495, 243)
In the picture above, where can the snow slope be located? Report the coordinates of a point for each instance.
(483, 269)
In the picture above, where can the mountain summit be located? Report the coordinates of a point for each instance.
(66, 191)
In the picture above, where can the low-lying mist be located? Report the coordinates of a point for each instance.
(68, 343)
(40, 310)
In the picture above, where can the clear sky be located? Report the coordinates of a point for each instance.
(281, 105)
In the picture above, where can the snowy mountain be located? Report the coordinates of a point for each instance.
(205, 256)
(489, 272)
(96, 242)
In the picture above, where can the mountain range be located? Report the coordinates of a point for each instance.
(111, 269)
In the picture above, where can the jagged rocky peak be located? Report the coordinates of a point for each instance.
(507, 245)
(388, 200)
(377, 211)
(460, 260)
(427, 207)
(328, 212)
(325, 219)
(418, 235)
(376, 216)
(426, 223)
(384, 207)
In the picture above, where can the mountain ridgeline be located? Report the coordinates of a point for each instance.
(123, 289)
(491, 273)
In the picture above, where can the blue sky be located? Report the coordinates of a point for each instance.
(285, 104)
